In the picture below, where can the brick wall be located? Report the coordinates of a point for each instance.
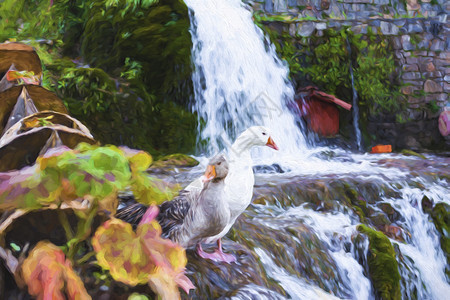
(419, 35)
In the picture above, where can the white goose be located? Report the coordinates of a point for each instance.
(238, 190)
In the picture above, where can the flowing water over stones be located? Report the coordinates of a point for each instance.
(239, 80)
(299, 239)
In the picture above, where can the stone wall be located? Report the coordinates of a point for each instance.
(419, 35)
(354, 9)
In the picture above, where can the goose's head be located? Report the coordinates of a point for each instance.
(217, 168)
(256, 136)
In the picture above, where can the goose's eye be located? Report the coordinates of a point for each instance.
(264, 133)
(219, 163)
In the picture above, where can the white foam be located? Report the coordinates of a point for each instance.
(297, 288)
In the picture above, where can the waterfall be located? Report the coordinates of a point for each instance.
(354, 101)
(238, 80)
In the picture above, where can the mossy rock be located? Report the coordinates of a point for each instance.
(217, 279)
(441, 218)
(412, 153)
(175, 160)
(383, 266)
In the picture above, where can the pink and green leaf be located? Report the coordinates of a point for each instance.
(49, 275)
(141, 257)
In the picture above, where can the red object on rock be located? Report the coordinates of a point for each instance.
(320, 110)
(381, 149)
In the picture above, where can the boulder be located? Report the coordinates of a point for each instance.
(175, 160)
(215, 279)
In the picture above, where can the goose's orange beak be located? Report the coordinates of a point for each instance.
(210, 173)
(271, 144)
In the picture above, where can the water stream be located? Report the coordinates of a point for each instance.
(238, 80)
(355, 107)
(302, 225)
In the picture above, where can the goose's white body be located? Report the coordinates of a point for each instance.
(238, 190)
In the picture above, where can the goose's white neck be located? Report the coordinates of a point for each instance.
(240, 150)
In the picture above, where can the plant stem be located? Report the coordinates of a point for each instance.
(65, 224)
(83, 230)
(85, 258)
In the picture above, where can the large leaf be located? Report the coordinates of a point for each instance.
(149, 190)
(142, 257)
(91, 170)
(88, 172)
(145, 189)
(120, 251)
(50, 276)
(139, 160)
(21, 189)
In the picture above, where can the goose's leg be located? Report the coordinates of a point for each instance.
(228, 258)
(205, 255)
(217, 255)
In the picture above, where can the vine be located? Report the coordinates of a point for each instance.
(65, 178)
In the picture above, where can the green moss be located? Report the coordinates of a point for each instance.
(383, 267)
(412, 153)
(355, 201)
(441, 218)
(175, 160)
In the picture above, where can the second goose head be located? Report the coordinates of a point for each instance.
(217, 169)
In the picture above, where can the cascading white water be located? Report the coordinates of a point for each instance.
(424, 249)
(296, 288)
(326, 226)
(238, 80)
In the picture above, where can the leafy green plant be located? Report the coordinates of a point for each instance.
(94, 175)
(433, 106)
(153, 33)
(328, 66)
(23, 18)
(373, 69)
(139, 69)
(325, 60)
(133, 69)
